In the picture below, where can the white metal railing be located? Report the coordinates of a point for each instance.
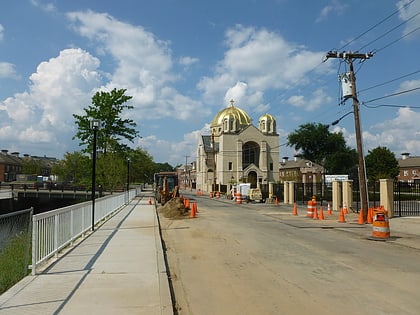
(56, 229)
(6, 194)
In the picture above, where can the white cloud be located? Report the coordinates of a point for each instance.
(60, 87)
(410, 14)
(335, 7)
(47, 7)
(262, 59)
(398, 135)
(188, 61)
(409, 85)
(7, 70)
(143, 66)
(1, 32)
(316, 100)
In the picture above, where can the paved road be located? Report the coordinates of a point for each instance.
(259, 259)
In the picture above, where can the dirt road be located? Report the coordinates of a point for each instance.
(250, 261)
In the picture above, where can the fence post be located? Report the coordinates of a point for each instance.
(34, 244)
(347, 187)
(336, 195)
(292, 198)
(386, 191)
(286, 192)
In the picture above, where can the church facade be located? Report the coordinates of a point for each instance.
(236, 151)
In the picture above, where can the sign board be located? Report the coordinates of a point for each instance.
(330, 178)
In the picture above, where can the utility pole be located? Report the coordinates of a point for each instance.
(186, 178)
(349, 57)
(214, 162)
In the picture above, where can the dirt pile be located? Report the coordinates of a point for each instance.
(174, 209)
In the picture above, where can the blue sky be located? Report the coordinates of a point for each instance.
(183, 60)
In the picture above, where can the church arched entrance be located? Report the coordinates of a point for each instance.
(252, 178)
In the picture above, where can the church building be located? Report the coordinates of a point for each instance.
(236, 151)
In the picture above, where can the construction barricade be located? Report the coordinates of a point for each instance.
(380, 225)
(311, 208)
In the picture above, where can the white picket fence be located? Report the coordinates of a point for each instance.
(54, 230)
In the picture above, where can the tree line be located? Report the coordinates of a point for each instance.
(116, 162)
(316, 143)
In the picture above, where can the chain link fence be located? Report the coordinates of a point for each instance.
(15, 247)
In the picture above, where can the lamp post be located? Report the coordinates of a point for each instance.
(94, 124)
(128, 173)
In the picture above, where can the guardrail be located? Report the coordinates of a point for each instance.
(56, 229)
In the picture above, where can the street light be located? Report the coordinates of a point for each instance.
(335, 122)
(94, 125)
(128, 173)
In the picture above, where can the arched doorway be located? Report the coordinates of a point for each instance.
(252, 178)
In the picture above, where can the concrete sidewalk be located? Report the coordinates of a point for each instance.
(118, 269)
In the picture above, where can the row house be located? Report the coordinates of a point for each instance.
(11, 165)
(300, 171)
(409, 169)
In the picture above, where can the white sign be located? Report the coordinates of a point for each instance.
(330, 178)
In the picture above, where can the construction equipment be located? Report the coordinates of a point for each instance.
(165, 186)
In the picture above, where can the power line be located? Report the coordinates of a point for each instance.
(391, 95)
(391, 30)
(390, 105)
(398, 39)
(389, 81)
(377, 24)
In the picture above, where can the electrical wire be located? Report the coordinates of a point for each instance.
(398, 39)
(391, 95)
(389, 105)
(391, 30)
(389, 81)
(377, 24)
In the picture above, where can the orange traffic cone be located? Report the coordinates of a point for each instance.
(277, 201)
(360, 219)
(321, 214)
(315, 217)
(342, 218)
(370, 216)
(195, 207)
(329, 212)
(346, 211)
(192, 212)
(295, 209)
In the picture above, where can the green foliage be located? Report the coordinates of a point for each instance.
(13, 262)
(317, 144)
(31, 166)
(163, 167)
(381, 164)
(106, 107)
(141, 166)
(74, 168)
(111, 171)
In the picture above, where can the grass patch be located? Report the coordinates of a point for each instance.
(14, 261)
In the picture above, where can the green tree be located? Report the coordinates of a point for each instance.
(142, 166)
(111, 171)
(31, 166)
(107, 107)
(317, 144)
(74, 168)
(381, 164)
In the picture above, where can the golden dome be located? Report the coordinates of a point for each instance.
(267, 117)
(231, 112)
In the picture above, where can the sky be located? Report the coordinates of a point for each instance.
(182, 61)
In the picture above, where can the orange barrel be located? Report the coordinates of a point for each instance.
(380, 225)
(311, 209)
(238, 198)
(218, 194)
(211, 194)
